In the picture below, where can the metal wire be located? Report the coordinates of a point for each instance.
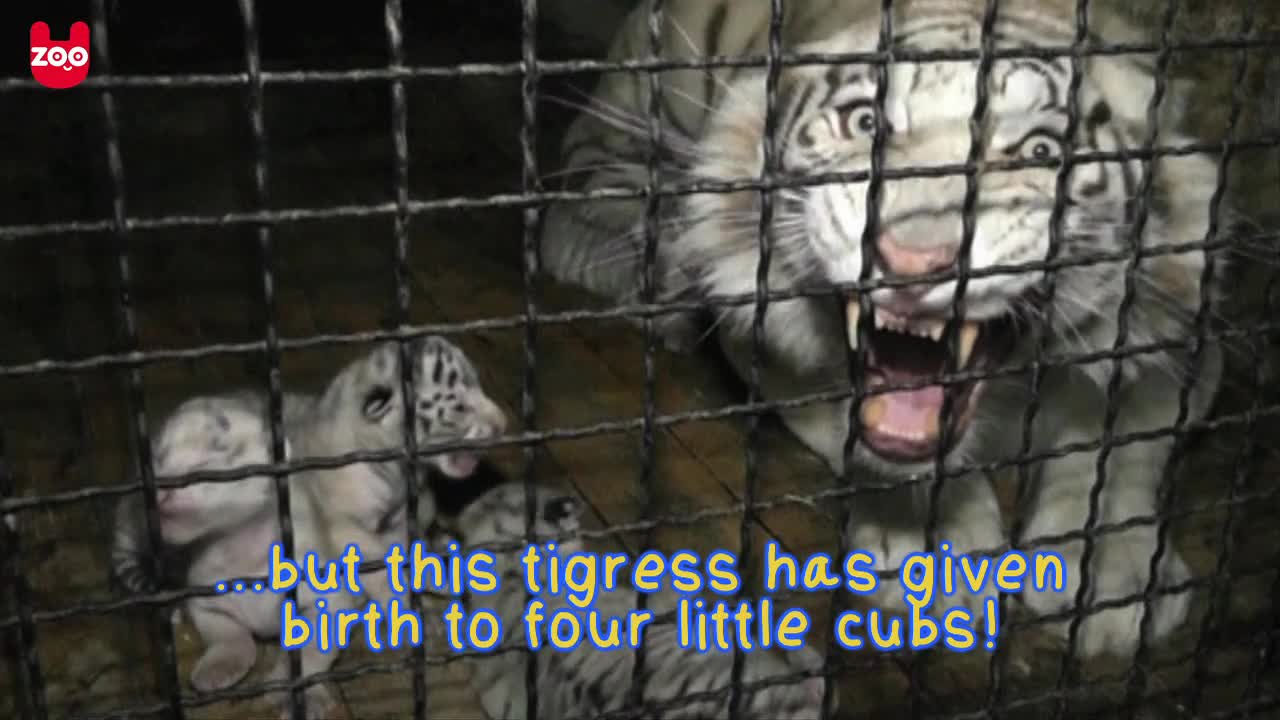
(22, 624)
(1111, 411)
(856, 361)
(1168, 491)
(539, 198)
(768, 149)
(720, 413)
(530, 182)
(27, 662)
(552, 68)
(951, 333)
(128, 328)
(394, 20)
(1221, 578)
(275, 394)
(1266, 642)
(1000, 658)
(141, 359)
(648, 290)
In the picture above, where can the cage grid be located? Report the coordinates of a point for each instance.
(529, 181)
(531, 70)
(648, 290)
(129, 330)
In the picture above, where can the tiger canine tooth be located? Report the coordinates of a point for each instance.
(968, 338)
(935, 330)
(852, 310)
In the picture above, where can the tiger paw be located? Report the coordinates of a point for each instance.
(1119, 573)
(220, 667)
(893, 547)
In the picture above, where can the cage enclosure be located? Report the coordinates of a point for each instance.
(255, 195)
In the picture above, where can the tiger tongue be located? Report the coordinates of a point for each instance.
(907, 417)
(460, 465)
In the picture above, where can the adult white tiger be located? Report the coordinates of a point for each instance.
(826, 116)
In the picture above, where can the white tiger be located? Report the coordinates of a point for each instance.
(206, 432)
(226, 528)
(826, 118)
(587, 682)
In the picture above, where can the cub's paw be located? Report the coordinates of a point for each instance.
(221, 666)
(1119, 571)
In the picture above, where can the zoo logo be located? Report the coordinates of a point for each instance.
(61, 64)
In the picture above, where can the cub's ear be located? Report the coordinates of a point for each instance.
(377, 402)
(563, 511)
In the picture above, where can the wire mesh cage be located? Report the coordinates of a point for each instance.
(808, 277)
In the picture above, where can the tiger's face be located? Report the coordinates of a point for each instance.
(449, 402)
(828, 117)
(926, 122)
(212, 434)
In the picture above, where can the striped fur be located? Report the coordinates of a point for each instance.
(452, 405)
(586, 682)
(224, 530)
(206, 433)
(826, 117)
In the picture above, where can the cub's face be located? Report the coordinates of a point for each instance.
(449, 402)
(213, 434)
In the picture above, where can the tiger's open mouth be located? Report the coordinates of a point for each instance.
(458, 465)
(905, 425)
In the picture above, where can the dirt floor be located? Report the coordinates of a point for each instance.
(188, 152)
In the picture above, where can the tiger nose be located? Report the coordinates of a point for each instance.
(905, 261)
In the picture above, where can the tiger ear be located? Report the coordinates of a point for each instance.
(563, 511)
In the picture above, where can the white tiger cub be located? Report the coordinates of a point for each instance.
(226, 529)
(452, 405)
(211, 432)
(586, 682)
(361, 411)
(826, 119)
